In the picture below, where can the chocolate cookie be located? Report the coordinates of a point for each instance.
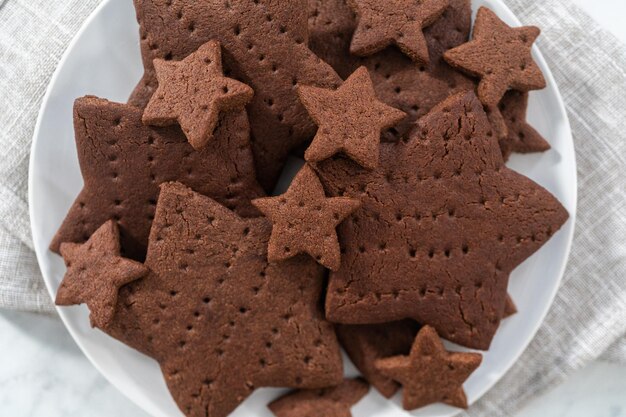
(304, 220)
(366, 343)
(510, 308)
(442, 224)
(416, 89)
(95, 273)
(521, 137)
(399, 22)
(398, 81)
(431, 374)
(217, 317)
(193, 93)
(263, 46)
(327, 402)
(350, 120)
(500, 56)
(123, 162)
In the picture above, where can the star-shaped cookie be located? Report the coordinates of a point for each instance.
(399, 82)
(442, 224)
(431, 374)
(123, 162)
(501, 56)
(264, 44)
(399, 22)
(350, 120)
(193, 93)
(521, 137)
(95, 273)
(220, 320)
(304, 220)
(326, 402)
(366, 343)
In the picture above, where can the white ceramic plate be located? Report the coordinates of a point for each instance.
(104, 60)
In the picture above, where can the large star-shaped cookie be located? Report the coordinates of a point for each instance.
(399, 22)
(500, 55)
(442, 224)
(350, 120)
(304, 220)
(217, 317)
(326, 402)
(193, 92)
(95, 273)
(123, 162)
(521, 137)
(264, 44)
(430, 374)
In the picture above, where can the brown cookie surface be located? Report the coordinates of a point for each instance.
(366, 343)
(510, 309)
(398, 81)
(305, 220)
(521, 136)
(123, 162)
(326, 402)
(430, 374)
(442, 224)
(217, 317)
(350, 120)
(193, 93)
(263, 46)
(95, 274)
(500, 56)
(399, 22)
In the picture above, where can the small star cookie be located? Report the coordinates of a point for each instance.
(431, 374)
(304, 220)
(501, 56)
(350, 120)
(366, 343)
(335, 401)
(193, 92)
(400, 22)
(95, 274)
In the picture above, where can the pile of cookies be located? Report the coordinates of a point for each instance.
(401, 228)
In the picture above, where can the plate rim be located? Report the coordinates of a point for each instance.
(538, 55)
(567, 132)
(148, 408)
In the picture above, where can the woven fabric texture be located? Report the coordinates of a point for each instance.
(588, 318)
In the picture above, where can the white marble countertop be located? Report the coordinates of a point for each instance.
(44, 374)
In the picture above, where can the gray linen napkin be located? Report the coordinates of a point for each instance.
(588, 318)
(33, 36)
